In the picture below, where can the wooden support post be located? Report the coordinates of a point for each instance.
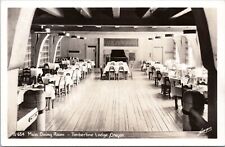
(208, 62)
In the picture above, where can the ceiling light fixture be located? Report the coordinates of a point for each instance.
(168, 35)
(189, 31)
(61, 34)
(79, 26)
(98, 26)
(83, 38)
(48, 30)
(117, 26)
(67, 34)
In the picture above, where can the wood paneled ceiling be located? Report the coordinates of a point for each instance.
(128, 19)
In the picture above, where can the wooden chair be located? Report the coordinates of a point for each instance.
(158, 78)
(184, 88)
(121, 73)
(60, 86)
(112, 72)
(201, 83)
(166, 86)
(26, 76)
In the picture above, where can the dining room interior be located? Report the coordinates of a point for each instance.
(148, 72)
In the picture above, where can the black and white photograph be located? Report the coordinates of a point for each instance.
(112, 72)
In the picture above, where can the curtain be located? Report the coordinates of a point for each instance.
(195, 53)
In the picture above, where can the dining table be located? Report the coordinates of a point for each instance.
(36, 71)
(116, 66)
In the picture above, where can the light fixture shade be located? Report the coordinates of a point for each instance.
(83, 38)
(189, 32)
(168, 35)
(67, 34)
(47, 30)
(61, 34)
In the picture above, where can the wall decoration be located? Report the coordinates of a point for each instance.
(121, 42)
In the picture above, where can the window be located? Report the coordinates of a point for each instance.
(58, 52)
(27, 59)
(44, 54)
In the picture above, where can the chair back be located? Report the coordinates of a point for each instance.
(111, 69)
(112, 63)
(120, 63)
(185, 88)
(121, 69)
(187, 76)
(152, 68)
(167, 81)
(45, 71)
(46, 66)
(26, 72)
(159, 75)
(201, 83)
(45, 81)
(26, 76)
(39, 79)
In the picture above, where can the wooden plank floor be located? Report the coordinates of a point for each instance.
(125, 105)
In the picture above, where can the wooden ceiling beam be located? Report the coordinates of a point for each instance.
(116, 12)
(53, 11)
(85, 12)
(149, 12)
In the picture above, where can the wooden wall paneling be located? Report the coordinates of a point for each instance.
(121, 42)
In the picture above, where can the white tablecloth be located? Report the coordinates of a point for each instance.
(116, 65)
(36, 71)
